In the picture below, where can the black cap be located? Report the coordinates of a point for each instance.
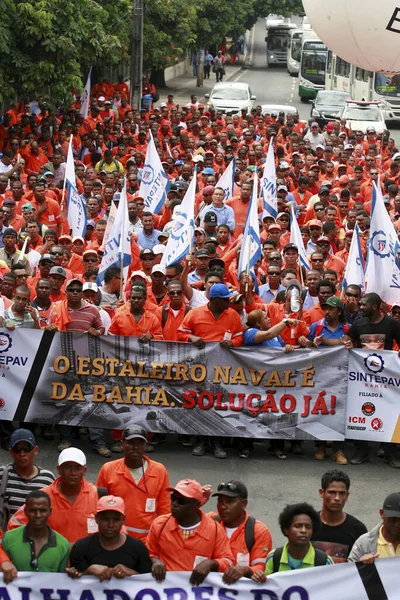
(290, 247)
(210, 217)
(202, 253)
(232, 489)
(10, 231)
(22, 435)
(391, 506)
(133, 432)
(216, 262)
(146, 252)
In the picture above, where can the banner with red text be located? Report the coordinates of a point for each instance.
(113, 382)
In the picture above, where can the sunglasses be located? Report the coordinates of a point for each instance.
(57, 253)
(317, 260)
(349, 295)
(175, 293)
(148, 258)
(90, 259)
(232, 487)
(274, 274)
(74, 290)
(26, 449)
(181, 500)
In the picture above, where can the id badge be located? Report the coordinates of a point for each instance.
(150, 505)
(243, 559)
(92, 525)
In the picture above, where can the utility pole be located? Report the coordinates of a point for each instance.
(137, 53)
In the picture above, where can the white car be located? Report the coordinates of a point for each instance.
(273, 20)
(362, 115)
(231, 97)
(277, 108)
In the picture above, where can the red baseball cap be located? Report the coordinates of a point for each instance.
(111, 503)
(190, 488)
(344, 179)
(315, 223)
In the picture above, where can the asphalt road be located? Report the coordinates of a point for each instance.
(272, 483)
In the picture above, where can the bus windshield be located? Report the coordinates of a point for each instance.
(386, 85)
(296, 49)
(277, 42)
(313, 65)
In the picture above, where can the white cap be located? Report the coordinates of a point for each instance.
(90, 285)
(284, 165)
(76, 238)
(159, 269)
(139, 274)
(159, 249)
(72, 455)
(198, 158)
(101, 99)
(320, 146)
(163, 104)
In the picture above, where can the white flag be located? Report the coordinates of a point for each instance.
(154, 185)
(76, 211)
(250, 250)
(227, 180)
(295, 238)
(70, 166)
(382, 274)
(355, 270)
(85, 97)
(181, 235)
(110, 222)
(117, 250)
(268, 185)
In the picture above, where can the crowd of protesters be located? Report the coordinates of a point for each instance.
(48, 278)
(133, 521)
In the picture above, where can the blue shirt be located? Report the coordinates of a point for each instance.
(338, 333)
(193, 277)
(249, 337)
(225, 215)
(148, 241)
(265, 292)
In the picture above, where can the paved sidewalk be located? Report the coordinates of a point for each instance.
(185, 85)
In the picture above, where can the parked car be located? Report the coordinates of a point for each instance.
(328, 106)
(231, 97)
(363, 115)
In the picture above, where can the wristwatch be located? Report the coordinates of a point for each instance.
(286, 321)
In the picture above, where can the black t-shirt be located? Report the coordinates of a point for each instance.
(372, 335)
(132, 554)
(338, 541)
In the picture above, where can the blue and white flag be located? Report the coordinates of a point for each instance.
(76, 211)
(268, 185)
(70, 166)
(117, 249)
(382, 274)
(85, 96)
(295, 238)
(355, 270)
(154, 184)
(250, 251)
(181, 235)
(227, 180)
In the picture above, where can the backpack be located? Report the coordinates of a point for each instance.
(248, 531)
(164, 314)
(4, 506)
(319, 561)
(320, 326)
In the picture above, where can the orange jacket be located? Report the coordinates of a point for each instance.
(262, 544)
(166, 542)
(123, 323)
(144, 501)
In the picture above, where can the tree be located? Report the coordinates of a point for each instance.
(48, 46)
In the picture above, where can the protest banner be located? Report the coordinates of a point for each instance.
(345, 581)
(113, 382)
(373, 410)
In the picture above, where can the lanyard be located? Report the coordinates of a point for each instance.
(143, 477)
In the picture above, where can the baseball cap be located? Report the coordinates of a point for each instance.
(391, 505)
(72, 455)
(202, 253)
(216, 262)
(220, 290)
(320, 146)
(232, 489)
(65, 237)
(200, 229)
(90, 223)
(330, 126)
(71, 281)
(344, 179)
(114, 503)
(58, 271)
(334, 302)
(163, 104)
(135, 431)
(283, 165)
(314, 124)
(190, 488)
(159, 249)
(210, 217)
(90, 285)
(139, 274)
(323, 238)
(290, 247)
(324, 190)
(48, 173)
(209, 189)
(282, 187)
(371, 130)
(342, 166)
(22, 435)
(146, 252)
(9, 231)
(198, 158)
(315, 223)
(48, 257)
(101, 98)
(158, 269)
(208, 171)
(163, 234)
(27, 206)
(87, 252)
(9, 202)
(293, 283)
(274, 226)
(77, 238)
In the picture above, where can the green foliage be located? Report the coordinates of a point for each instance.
(46, 46)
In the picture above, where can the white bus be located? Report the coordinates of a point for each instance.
(277, 38)
(294, 52)
(312, 68)
(364, 85)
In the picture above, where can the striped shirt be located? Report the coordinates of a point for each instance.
(17, 488)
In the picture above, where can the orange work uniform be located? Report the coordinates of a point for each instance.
(208, 541)
(144, 500)
(201, 322)
(123, 323)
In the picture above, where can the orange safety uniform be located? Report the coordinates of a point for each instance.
(73, 521)
(262, 544)
(208, 541)
(201, 322)
(173, 322)
(145, 500)
(123, 323)
(289, 335)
